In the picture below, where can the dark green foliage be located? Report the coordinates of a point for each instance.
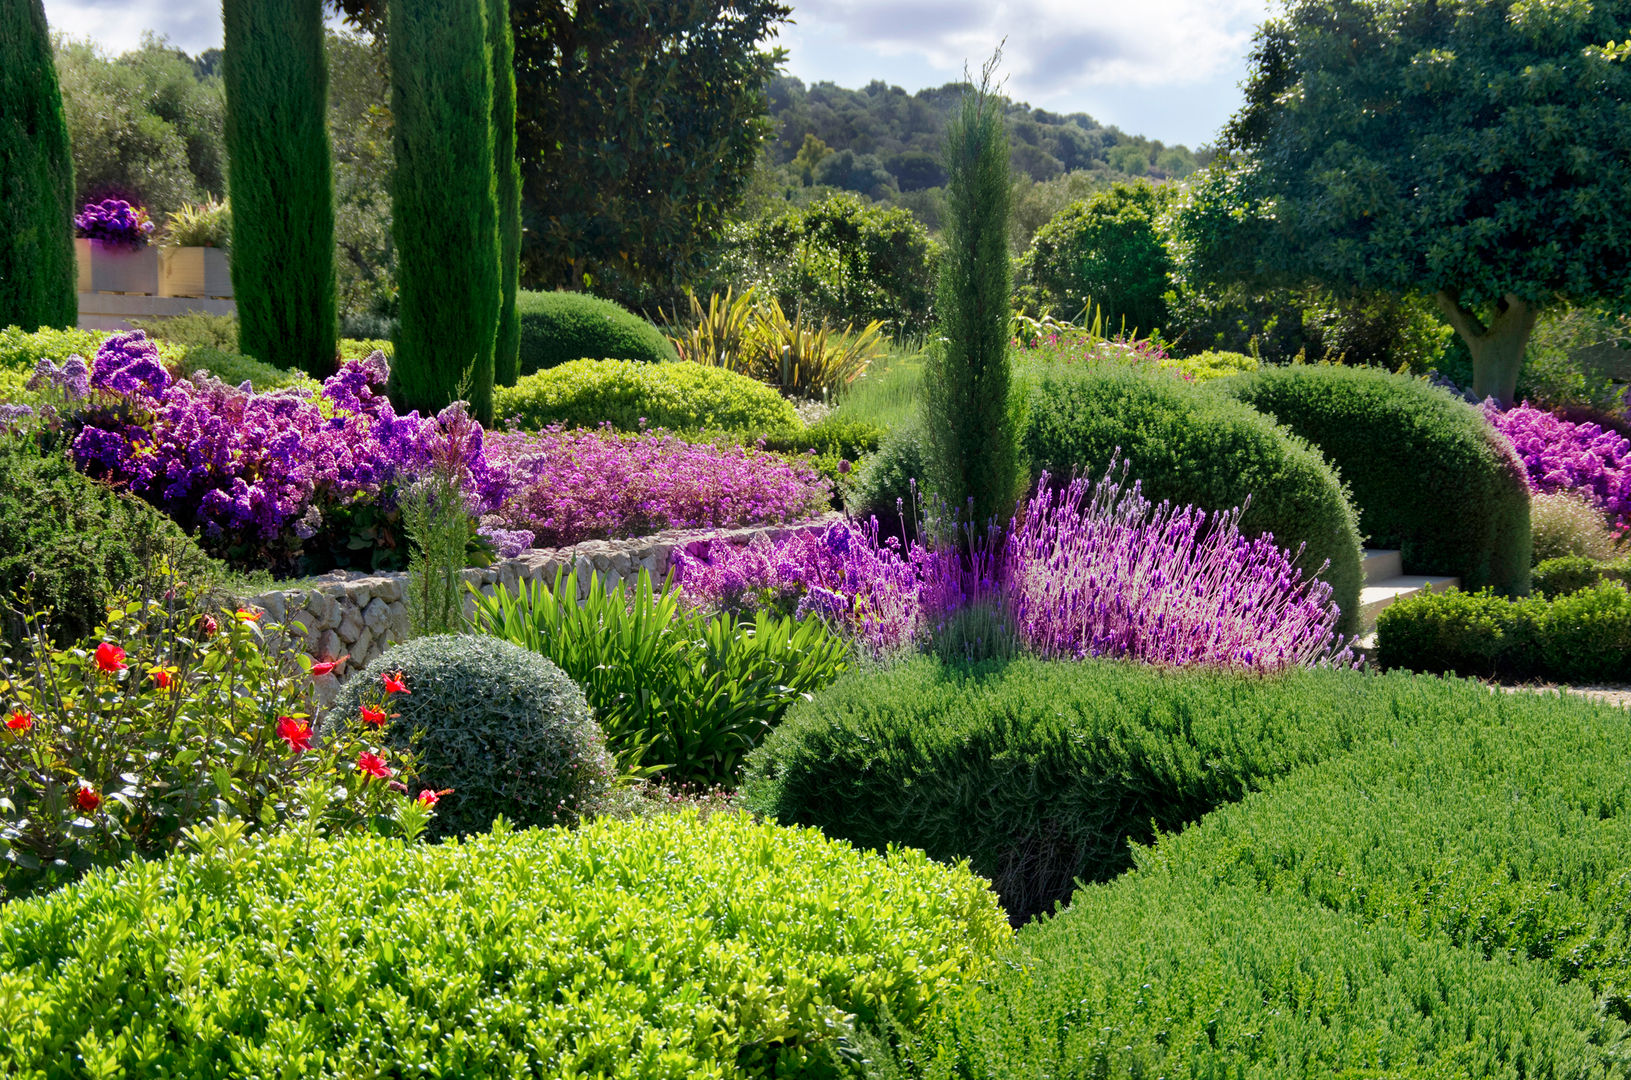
(503, 727)
(444, 209)
(37, 268)
(1192, 446)
(282, 182)
(1425, 472)
(557, 327)
(507, 170)
(1038, 772)
(630, 395)
(672, 947)
(968, 431)
(890, 484)
(82, 542)
(1571, 573)
(1582, 636)
(1106, 251)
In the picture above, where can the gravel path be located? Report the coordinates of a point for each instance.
(1607, 695)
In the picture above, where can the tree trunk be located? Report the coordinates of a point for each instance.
(1497, 349)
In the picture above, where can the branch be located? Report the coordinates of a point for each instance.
(1466, 322)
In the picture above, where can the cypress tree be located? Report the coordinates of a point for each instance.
(507, 170)
(971, 445)
(444, 205)
(280, 177)
(38, 277)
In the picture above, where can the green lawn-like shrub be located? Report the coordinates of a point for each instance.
(234, 369)
(1571, 573)
(679, 397)
(1038, 772)
(558, 327)
(504, 728)
(1426, 472)
(1192, 446)
(22, 349)
(660, 948)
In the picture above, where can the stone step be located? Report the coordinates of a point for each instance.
(1381, 564)
(1376, 596)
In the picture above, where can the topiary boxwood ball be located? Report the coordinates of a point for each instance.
(503, 727)
(561, 326)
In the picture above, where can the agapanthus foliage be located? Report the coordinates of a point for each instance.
(1581, 459)
(578, 485)
(114, 221)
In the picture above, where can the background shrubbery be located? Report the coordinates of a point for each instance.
(557, 327)
(634, 395)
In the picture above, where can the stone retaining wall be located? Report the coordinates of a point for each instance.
(360, 615)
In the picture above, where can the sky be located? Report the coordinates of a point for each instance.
(1166, 69)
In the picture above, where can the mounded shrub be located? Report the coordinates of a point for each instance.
(1571, 573)
(884, 487)
(835, 445)
(1191, 446)
(557, 327)
(1038, 772)
(235, 369)
(1565, 524)
(1425, 472)
(628, 394)
(669, 947)
(504, 728)
(22, 349)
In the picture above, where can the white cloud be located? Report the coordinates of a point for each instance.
(191, 25)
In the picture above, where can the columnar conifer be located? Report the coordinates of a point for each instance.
(507, 171)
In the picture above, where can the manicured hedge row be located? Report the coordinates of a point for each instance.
(671, 947)
(1426, 473)
(1580, 637)
(558, 327)
(681, 397)
(1192, 446)
(1039, 772)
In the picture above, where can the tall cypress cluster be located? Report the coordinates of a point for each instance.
(971, 443)
(37, 272)
(507, 172)
(444, 204)
(281, 181)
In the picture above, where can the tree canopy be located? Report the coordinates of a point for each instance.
(1478, 151)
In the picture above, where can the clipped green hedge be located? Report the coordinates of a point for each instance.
(661, 948)
(1571, 573)
(1192, 446)
(558, 327)
(1582, 636)
(1426, 472)
(680, 397)
(1038, 772)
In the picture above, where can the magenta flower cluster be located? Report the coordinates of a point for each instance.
(114, 221)
(1580, 459)
(568, 486)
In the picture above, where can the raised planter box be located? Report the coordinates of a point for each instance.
(119, 269)
(194, 271)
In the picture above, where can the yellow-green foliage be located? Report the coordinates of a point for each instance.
(235, 368)
(362, 348)
(675, 396)
(1211, 364)
(21, 350)
(660, 948)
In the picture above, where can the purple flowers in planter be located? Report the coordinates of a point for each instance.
(1561, 456)
(114, 221)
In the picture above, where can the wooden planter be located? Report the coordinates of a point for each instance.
(194, 271)
(82, 261)
(119, 269)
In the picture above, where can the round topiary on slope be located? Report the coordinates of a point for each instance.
(504, 728)
(560, 326)
(631, 395)
(1426, 473)
(1192, 446)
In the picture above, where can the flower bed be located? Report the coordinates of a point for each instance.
(1562, 456)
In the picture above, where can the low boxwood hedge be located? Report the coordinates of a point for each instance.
(1571, 573)
(557, 327)
(1425, 472)
(1194, 446)
(674, 946)
(681, 397)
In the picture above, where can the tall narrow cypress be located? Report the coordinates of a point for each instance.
(281, 181)
(507, 172)
(972, 456)
(37, 272)
(443, 204)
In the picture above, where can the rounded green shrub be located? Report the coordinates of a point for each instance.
(1564, 524)
(504, 728)
(235, 369)
(1192, 446)
(1426, 472)
(668, 947)
(1464, 633)
(890, 486)
(22, 349)
(1571, 573)
(1586, 635)
(1212, 364)
(628, 394)
(1106, 250)
(76, 543)
(557, 327)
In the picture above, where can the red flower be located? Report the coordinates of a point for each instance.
(373, 716)
(374, 766)
(87, 799)
(327, 666)
(431, 798)
(247, 615)
(295, 733)
(208, 626)
(110, 658)
(394, 683)
(161, 678)
(20, 721)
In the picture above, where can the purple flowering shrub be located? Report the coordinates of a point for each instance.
(569, 486)
(114, 221)
(1582, 459)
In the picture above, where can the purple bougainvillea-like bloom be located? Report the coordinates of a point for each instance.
(1581, 459)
